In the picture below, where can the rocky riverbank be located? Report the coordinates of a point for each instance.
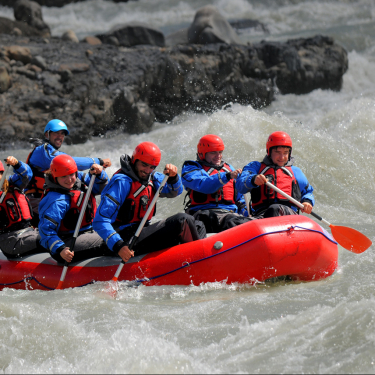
(95, 86)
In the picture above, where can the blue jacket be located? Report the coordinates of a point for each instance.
(42, 156)
(113, 197)
(54, 206)
(245, 182)
(22, 175)
(194, 177)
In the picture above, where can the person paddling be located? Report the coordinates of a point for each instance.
(210, 183)
(17, 237)
(125, 201)
(277, 167)
(42, 155)
(60, 207)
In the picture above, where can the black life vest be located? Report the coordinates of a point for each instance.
(15, 210)
(137, 202)
(35, 186)
(281, 177)
(226, 195)
(77, 196)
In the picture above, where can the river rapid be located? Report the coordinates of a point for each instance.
(325, 326)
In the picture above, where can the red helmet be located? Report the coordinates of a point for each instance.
(147, 152)
(280, 139)
(1, 167)
(208, 143)
(63, 165)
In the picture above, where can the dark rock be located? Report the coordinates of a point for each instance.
(178, 37)
(133, 34)
(8, 26)
(245, 24)
(209, 26)
(128, 89)
(53, 3)
(30, 12)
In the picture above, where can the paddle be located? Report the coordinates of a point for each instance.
(247, 203)
(349, 238)
(4, 176)
(140, 227)
(78, 226)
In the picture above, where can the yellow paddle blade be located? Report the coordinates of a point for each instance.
(350, 239)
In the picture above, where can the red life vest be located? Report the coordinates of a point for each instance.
(70, 220)
(225, 195)
(35, 186)
(137, 202)
(15, 210)
(284, 179)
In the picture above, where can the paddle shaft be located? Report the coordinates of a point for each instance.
(4, 176)
(298, 204)
(78, 226)
(247, 203)
(141, 225)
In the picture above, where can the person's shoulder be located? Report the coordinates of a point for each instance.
(253, 164)
(119, 178)
(191, 164)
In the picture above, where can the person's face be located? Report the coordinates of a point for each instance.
(143, 169)
(56, 138)
(214, 157)
(67, 181)
(1, 174)
(280, 155)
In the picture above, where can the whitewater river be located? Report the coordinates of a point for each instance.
(318, 327)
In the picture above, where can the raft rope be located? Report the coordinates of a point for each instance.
(187, 264)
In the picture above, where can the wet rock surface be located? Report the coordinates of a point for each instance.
(97, 87)
(54, 3)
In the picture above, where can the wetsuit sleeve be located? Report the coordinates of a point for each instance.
(194, 177)
(306, 189)
(22, 175)
(172, 188)
(100, 181)
(44, 154)
(52, 210)
(245, 182)
(112, 198)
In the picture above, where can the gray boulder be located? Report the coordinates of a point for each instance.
(11, 27)
(30, 12)
(178, 37)
(133, 34)
(209, 26)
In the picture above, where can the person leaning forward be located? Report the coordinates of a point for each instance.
(42, 155)
(126, 198)
(210, 183)
(60, 208)
(277, 167)
(17, 237)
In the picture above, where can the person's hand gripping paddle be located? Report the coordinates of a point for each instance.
(112, 287)
(4, 176)
(78, 226)
(349, 238)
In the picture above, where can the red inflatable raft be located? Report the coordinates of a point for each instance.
(293, 246)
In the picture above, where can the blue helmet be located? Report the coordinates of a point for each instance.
(55, 126)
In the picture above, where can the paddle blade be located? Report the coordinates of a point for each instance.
(350, 239)
(111, 288)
